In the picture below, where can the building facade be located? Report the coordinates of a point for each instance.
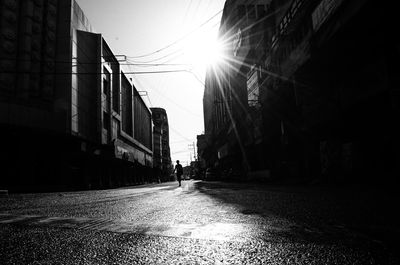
(320, 87)
(230, 107)
(201, 145)
(161, 149)
(69, 114)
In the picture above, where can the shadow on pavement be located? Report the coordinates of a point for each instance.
(364, 212)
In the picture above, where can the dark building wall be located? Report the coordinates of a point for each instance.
(60, 110)
(201, 155)
(28, 63)
(333, 98)
(358, 105)
(84, 50)
(142, 122)
(127, 107)
(84, 104)
(327, 90)
(161, 148)
(208, 101)
(157, 148)
(110, 88)
(226, 97)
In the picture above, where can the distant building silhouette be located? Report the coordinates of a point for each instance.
(201, 162)
(69, 116)
(161, 149)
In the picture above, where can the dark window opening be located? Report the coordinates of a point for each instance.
(261, 11)
(241, 11)
(251, 12)
(127, 117)
(106, 120)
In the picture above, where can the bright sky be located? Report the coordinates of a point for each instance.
(140, 27)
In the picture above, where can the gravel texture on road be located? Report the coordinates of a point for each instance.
(198, 223)
(33, 245)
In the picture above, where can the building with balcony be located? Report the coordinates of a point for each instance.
(69, 117)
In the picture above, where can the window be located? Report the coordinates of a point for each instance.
(260, 11)
(127, 118)
(106, 120)
(115, 99)
(251, 11)
(106, 89)
(241, 11)
(106, 82)
(115, 128)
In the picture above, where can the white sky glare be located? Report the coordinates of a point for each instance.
(139, 27)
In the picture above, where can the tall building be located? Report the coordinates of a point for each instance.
(315, 87)
(71, 117)
(201, 162)
(230, 107)
(161, 150)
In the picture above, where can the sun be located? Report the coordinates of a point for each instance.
(202, 50)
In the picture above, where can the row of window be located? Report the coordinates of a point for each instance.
(252, 12)
(292, 41)
(136, 119)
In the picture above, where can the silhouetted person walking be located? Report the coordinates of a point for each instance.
(179, 172)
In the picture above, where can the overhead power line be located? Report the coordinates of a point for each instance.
(187, 11)
(157, 59)
(178, 40)
(76, 62)
(179, 52)
(94, 73)
(179, 134)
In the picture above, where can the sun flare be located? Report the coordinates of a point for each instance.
(203, 50)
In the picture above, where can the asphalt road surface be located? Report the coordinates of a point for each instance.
(199, 223)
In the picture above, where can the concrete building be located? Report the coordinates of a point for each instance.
(230, 107)
(338, 94)
(69, 116)
(318, 88)
(201, 146)
(161, 149)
